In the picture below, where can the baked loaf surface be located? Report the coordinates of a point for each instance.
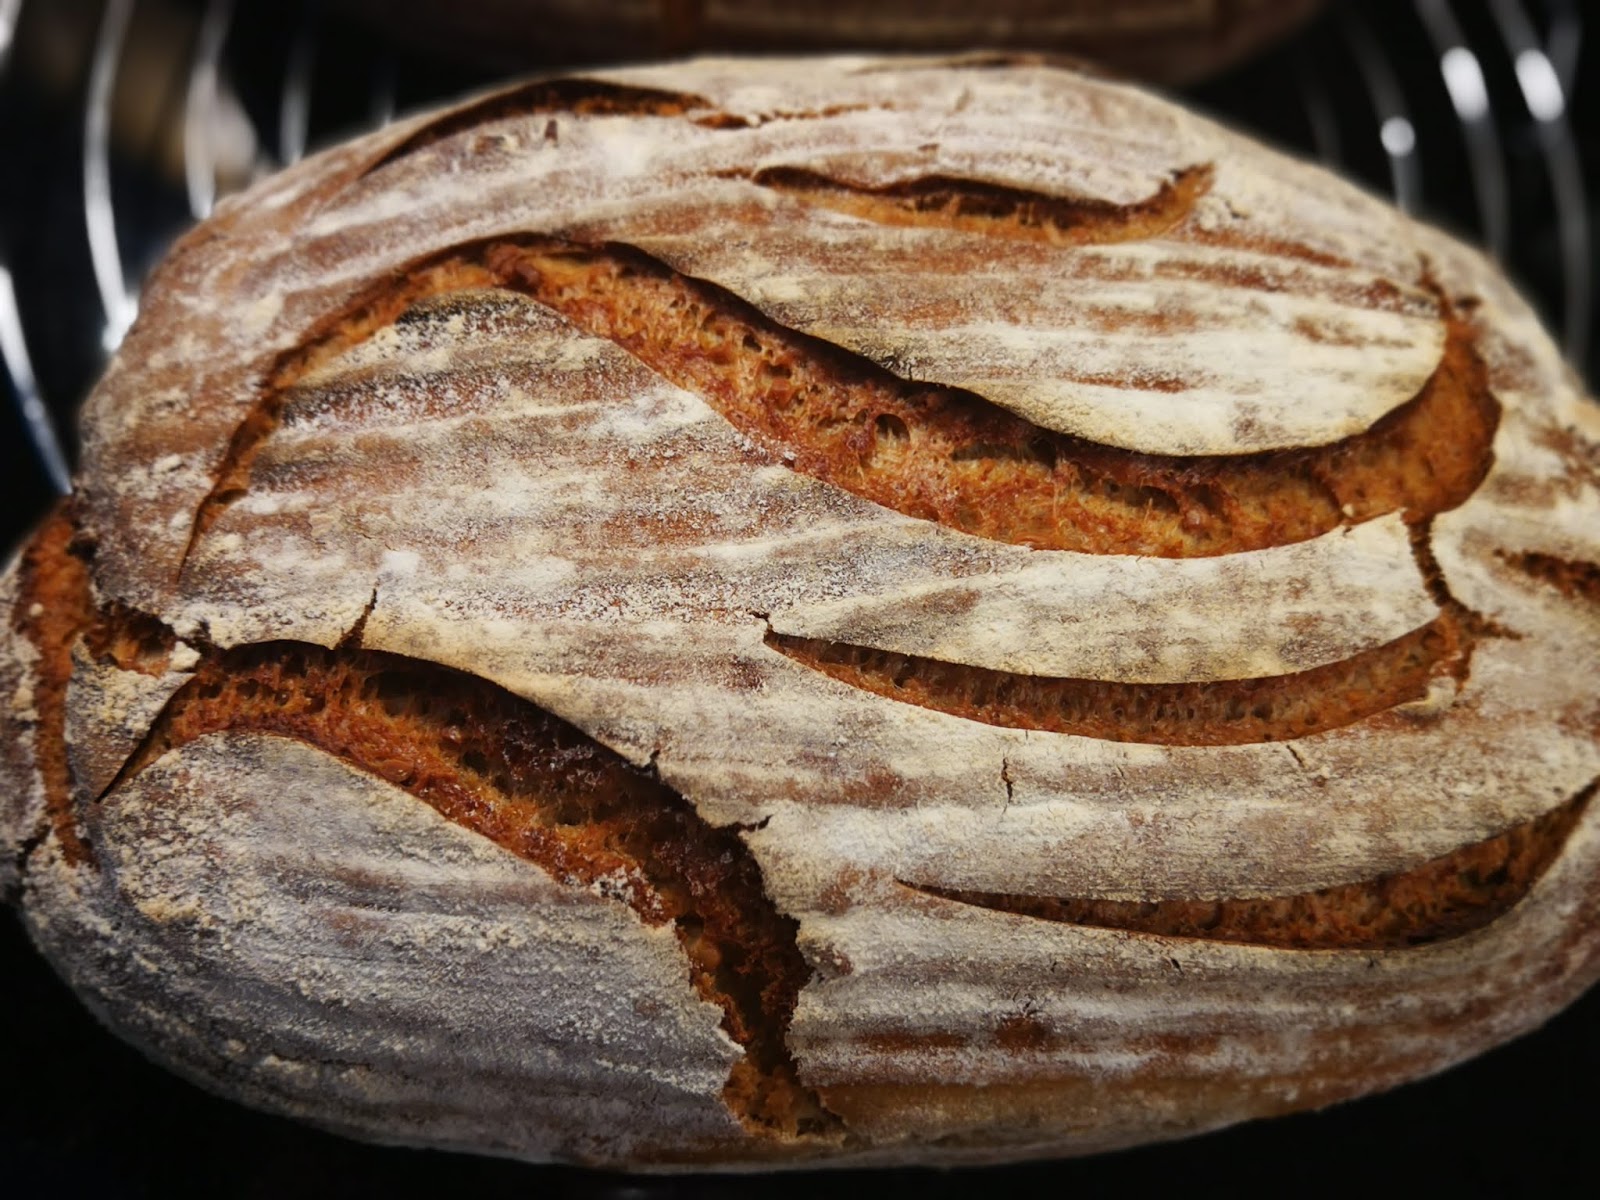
(854, 611)
(1169, 41)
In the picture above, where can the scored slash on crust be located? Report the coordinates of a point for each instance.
(941, 454)
(578, 96)
(1218, 712)
(1446, 897)
(53, 609)
(484, 759)
(954, 457)
(1228, 712)
(951, 456)
(497, 764)
(950, 202)
(574, 95)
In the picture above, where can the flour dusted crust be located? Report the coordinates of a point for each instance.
(411, 944)
(1242, 768)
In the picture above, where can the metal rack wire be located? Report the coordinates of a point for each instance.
(1545, 69)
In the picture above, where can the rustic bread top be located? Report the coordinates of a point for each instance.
(1043, 524)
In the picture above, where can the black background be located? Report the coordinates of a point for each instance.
(80, 1113)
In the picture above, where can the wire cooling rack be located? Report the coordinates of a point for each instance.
(1475, 113)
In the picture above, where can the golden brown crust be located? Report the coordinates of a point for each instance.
(937, 454)
(645, 579)
(1229, 712)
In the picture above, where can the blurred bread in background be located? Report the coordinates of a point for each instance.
(1163, 41)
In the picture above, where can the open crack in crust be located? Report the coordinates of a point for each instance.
(1446, 897)
(573, 96)
(493, 763)
(482, 758)
(941, 454)
(54, 607)
(502, 767)
(994, 210)
(955, 458)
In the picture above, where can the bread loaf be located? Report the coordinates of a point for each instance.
(839, 611)
(1170, 41)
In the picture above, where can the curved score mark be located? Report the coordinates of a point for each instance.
(575, 95)
(379, 308)
(496, 764)
(996, 210)
(936, 453)
(54, 606)
(1228, 712)
(1446, 897)
(951, 456)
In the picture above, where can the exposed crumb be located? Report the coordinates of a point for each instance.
(977, 207)
(1574, 579)
(1227, 712)
(54, 607)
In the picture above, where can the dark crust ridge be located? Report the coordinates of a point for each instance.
(935, 453)
(500, 766)
(1447, 897)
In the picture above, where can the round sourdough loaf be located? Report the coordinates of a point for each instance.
(814, 611)
(1171, 41)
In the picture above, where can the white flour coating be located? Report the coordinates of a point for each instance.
(1092, 616)
(401, 938)
(482, 486)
